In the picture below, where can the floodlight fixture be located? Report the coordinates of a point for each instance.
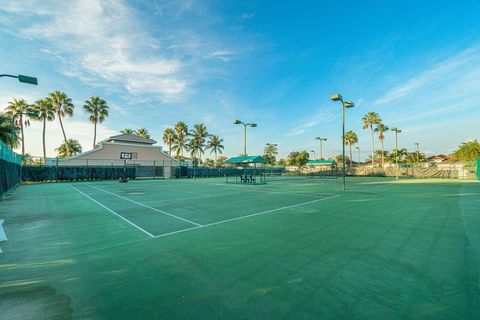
(245, 125)
(345, 104)
(336, 97)
(22, 78)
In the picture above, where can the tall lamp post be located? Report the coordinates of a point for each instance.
(417, 144)
(321, 145)
(345, 104)
(23, 79)
(358, 148)
(397, 131)
(245, 125)
(313, 151)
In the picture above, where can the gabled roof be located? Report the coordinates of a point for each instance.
(251, 159)
(132, 138)
(320, 162)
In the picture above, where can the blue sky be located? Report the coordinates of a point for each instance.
(273, 62)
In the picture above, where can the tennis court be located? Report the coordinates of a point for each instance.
(204, 249)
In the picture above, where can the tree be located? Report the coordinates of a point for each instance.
(27, 158)
(215, 145)
(19, 109)
(142, 132)
(269, 153)
(6, 124)
(43, 110)
(199, 135)
(339, 159)
(221, 161)
(127, 131)
(181, 142)
(468, 151)
(369, 120)
(392, 157)
(380, 129)
(98, 110)
(169, 137)
(414, 157)
(209, 163)
(282, 162)
(298, 158)
(72, 149)
(63, 106)
(351, 138)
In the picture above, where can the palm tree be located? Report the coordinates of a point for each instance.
(351, 138)
(6, 123)
(369, 120)
(43, 110)
(98, 110)
(196, 149)
(19, 109)
(380, 129)
(72, 149)
(63, 106)
(181, 142)
(169, 137)
(215, 145)
(199, 136)
(142, 132)
(127, 131)
(27, 158)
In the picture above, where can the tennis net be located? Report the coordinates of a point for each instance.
(282, 176)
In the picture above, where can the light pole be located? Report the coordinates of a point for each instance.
(417, 144)
(397, 131)
(245, 125)
(321, 146)
(22, 78)
(345, 104)
(313, 151)
(358, 148)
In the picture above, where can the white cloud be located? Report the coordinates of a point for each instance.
(248, 15)
(442, 76)
(315, 120)
(107, 44)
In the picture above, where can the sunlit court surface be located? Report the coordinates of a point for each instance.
(205, 249)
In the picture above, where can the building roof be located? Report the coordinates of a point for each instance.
(320, 162)
(251, 159)
(130, 138)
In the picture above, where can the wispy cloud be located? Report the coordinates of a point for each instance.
(248, 15)
(442, 76)
(105, 43)
(320, 117)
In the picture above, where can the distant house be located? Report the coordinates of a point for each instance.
(320, 165)
(119, 150)
(439, 158)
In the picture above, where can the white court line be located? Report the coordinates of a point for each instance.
(192, 192)
(205, 196)
(147, 206)
(246, 216)
(110, 210)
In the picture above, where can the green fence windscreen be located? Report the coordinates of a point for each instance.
(478, 168)
(10, 166)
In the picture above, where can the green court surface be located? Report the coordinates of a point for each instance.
(203, 249)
